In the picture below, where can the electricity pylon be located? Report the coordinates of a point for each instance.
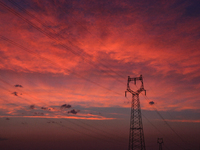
(160, 142)
(136, 135)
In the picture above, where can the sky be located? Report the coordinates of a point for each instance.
(64, 67)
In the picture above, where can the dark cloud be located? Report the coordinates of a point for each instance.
(7, 118)
(32, 106)
(66, 106)
(15, 93)
(73, 111)
(18, 85)
(44, 108)
(151, 102)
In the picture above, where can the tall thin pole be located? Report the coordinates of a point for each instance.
(136, 134)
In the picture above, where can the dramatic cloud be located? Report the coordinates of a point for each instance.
(84, 53)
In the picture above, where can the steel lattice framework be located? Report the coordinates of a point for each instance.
(160, 142)
(136, 135)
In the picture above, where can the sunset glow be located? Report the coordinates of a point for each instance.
(66, 60)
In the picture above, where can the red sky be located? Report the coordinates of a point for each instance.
(80, 53)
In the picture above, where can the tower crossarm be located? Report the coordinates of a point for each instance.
(139, 90)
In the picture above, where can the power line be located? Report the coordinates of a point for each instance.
(101, 130)
(110, 140)
(146, 98)
(42, 57)
(170, 115)
(20, 46)
(89, 129)
(26, 20)
(46, 26)
(81, 126)
(102, 139)
(161, 132)
(51, 36)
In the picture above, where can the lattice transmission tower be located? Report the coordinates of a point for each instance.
(160, 142)
(136, 135)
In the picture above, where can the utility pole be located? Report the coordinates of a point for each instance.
(160, 142)
(136, 134)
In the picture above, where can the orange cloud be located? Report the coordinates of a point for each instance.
(84, 58)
